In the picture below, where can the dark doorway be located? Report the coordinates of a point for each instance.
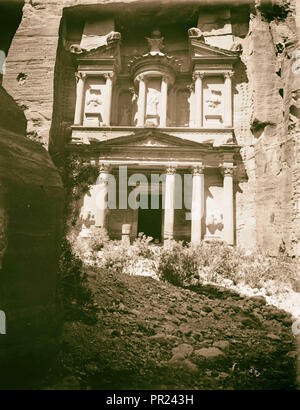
(150, 221)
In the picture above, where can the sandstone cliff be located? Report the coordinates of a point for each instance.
(31, 203)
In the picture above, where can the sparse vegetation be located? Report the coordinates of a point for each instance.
(185, 265)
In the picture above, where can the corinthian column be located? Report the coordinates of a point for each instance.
(169, 203)
(228, 100)
(102, 192)
(163, 101)
(197, 204)
(80, 79)
(198, 97)
(109, 84)
(228, 204)
(141, 101)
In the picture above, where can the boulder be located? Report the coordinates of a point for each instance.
(209, 353)
(182, 351)
(222, 344)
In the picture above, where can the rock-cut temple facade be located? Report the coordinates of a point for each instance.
(188, 111)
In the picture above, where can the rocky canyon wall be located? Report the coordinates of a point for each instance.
(31, 205)
(39, 76)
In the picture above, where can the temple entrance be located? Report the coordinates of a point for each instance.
(150, 220)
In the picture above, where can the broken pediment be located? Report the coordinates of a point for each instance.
(201, 51)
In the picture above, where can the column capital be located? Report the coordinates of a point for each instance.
(171, 169)
(191, 87)
(165, 78)
(198, 170)
(103, 167)
(108, 75)
(228, 74)
(198, 74)
(140, 77)
(80, 76)
(227, 170)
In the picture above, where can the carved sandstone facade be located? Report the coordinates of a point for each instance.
(195, 93)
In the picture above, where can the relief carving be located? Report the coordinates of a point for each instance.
(153, 100)
(155, 42)
(214, 99)
(93, 100)
(214, 221)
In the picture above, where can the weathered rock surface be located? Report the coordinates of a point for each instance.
(31, 202)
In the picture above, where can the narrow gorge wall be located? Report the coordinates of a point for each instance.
(31, 205)
(39, 76)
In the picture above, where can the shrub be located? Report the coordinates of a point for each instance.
(141, 246)
(98, 238)
(177, 264)
(224, 265)
(77, 298)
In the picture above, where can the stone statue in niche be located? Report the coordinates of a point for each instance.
(214, 221)
(153, 100)
(155, 42)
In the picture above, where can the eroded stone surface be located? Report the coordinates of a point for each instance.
(31, 203)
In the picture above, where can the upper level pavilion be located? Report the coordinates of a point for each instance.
(184, 89)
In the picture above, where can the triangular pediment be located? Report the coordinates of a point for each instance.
(149, 139)
(200, 49)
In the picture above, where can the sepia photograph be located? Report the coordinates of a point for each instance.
(150, 198)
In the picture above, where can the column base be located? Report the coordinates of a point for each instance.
(212, 238)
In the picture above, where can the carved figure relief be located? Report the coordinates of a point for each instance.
(214, 221)
(93, 100)
(94, 105)
(214, 99)
(155, 42)
(153, 101)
